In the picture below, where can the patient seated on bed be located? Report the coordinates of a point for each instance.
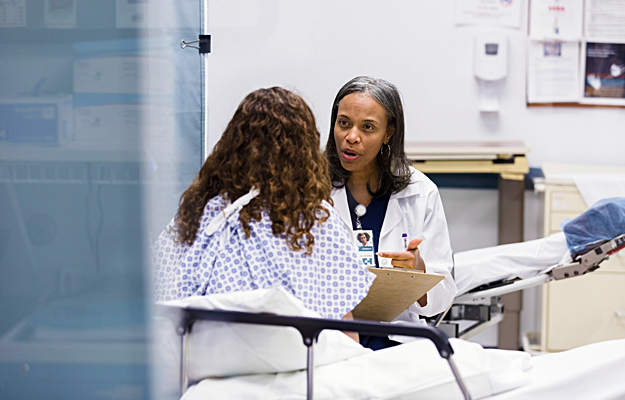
(257, 216)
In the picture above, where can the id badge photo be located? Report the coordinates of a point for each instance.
(364, 246)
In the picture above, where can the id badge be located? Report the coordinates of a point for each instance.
(364, 246)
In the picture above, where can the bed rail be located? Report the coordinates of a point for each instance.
(309, 328)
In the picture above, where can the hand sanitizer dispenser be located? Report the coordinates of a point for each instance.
(490, 67)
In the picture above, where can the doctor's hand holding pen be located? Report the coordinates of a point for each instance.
(409, 259)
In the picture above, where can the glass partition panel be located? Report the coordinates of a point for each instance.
(100, 131)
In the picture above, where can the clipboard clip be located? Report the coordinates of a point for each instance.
(415, 271)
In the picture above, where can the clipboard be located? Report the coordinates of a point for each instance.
(393, 291)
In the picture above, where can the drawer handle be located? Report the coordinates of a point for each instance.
(620, 314)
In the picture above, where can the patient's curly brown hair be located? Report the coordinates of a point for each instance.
(272, 143)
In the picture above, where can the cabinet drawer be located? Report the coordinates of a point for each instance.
(557, 217)
(584, 310)
(616, 263)
(567, 201)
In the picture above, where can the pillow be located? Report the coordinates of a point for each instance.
(219, 349)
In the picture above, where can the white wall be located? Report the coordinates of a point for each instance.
(316, 46)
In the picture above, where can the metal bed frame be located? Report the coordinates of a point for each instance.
(309, 328)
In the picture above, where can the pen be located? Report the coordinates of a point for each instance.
(406, 243)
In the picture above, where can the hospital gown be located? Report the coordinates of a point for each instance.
(330, 281)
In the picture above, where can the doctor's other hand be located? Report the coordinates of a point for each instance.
(409, 259)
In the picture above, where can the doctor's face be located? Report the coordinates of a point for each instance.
(359, 132)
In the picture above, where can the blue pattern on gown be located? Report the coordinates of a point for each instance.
(331, 281)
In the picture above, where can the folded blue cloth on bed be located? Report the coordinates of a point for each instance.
(605, 220)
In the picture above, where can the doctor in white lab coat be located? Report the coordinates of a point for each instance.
(402, 207)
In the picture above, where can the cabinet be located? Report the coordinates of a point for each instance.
(582, 310)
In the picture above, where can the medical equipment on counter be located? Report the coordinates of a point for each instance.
(309, 328)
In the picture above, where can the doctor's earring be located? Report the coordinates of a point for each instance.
(385, 151)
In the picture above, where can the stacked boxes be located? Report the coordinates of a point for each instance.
(36, 119)
(113, 97)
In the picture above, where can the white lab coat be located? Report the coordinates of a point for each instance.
(418, 211)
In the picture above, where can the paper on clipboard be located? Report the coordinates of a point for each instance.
(393, 291)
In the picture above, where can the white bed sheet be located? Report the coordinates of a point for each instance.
(413, 371)
(595, 371)
(255, 362)
(524, 260)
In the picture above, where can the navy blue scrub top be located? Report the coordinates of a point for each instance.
(373, 219)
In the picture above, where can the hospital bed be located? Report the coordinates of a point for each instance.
(483, 275)
(309, 328)
(418, 369)
(517, 376)
(490, 312)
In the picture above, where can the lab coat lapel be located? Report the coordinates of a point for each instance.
(392, 217)
(394, 213)
(340, 205)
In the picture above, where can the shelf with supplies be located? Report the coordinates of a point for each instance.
(72, 152)
(75, 163)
